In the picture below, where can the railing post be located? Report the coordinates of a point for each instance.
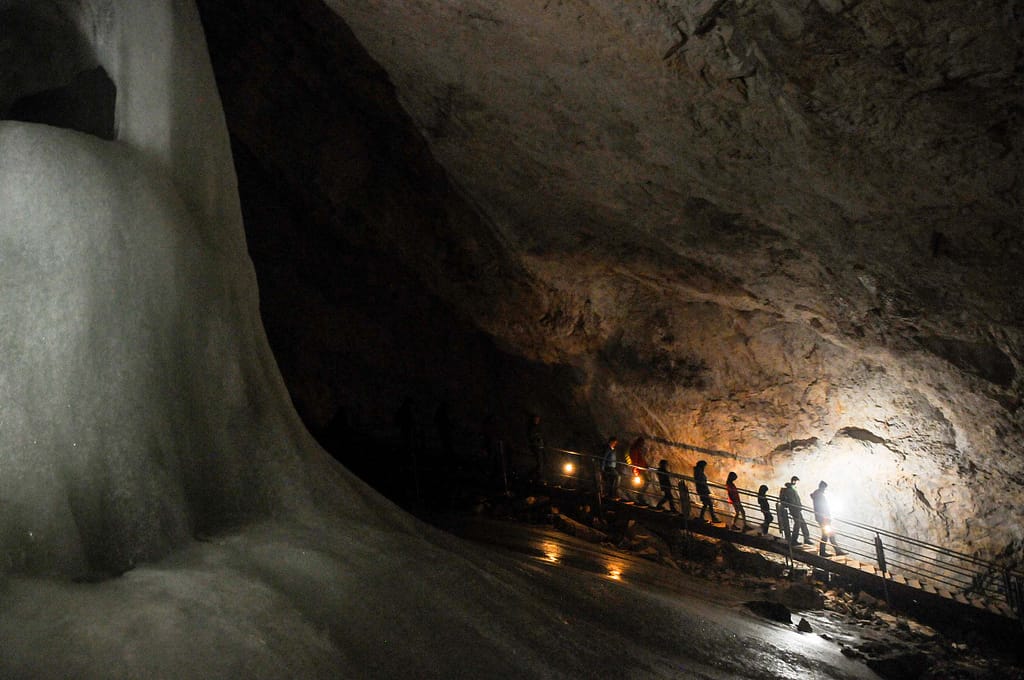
(1014, 594)
(880, 554)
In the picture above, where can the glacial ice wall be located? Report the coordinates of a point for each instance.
(141, 402)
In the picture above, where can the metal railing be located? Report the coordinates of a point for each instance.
(906, 559)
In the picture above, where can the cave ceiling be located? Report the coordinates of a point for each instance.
(764, 227)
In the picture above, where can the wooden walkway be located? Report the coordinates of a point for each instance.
(911, 594)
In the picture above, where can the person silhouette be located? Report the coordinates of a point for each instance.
(700, 480)
(738, 511)
(795, 507)
(665, 483)
(823, 516)
(766, 511)
(610, 468)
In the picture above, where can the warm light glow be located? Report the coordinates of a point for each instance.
(552, 552)
(637, 481)
(827, 529)
(615, 570)
(569, 468)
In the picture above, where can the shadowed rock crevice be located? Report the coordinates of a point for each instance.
(985, 361)
(48, 71)
(860, 434)
(85, 104)
(796, 445)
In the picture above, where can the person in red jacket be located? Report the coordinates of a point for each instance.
(637, 458)
(737, 505)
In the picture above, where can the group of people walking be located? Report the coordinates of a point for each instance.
(788, 506)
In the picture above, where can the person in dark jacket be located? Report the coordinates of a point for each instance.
(823, 516)
(610, 469)
(782, 507)
(700, 480)
(766, 511)
(665, 483)
(795, 507)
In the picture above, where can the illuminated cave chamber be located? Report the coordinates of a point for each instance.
(782, 250)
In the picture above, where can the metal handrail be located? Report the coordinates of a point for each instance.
(931, 564)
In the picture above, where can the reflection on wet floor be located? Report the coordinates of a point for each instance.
(615, 569)
(695, 627)
(551, 551)
(555, 550)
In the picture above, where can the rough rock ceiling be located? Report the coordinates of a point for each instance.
(789, 231)
(756, 222)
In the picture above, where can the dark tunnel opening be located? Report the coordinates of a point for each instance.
(49, 74)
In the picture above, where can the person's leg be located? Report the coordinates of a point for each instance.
(798, 520)
(832, 538)
(707, 506)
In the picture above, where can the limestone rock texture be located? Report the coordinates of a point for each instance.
(785, 233)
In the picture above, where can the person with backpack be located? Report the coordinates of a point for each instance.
(782, 508)
(700, 480)
(796, 511)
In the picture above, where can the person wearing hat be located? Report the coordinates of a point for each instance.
(795, 507)
(823, 516)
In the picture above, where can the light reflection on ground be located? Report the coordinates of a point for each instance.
(680, 626)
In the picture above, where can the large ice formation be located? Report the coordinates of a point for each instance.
(142, 409)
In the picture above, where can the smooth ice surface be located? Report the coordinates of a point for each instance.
(348, 599)
(142, 408)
